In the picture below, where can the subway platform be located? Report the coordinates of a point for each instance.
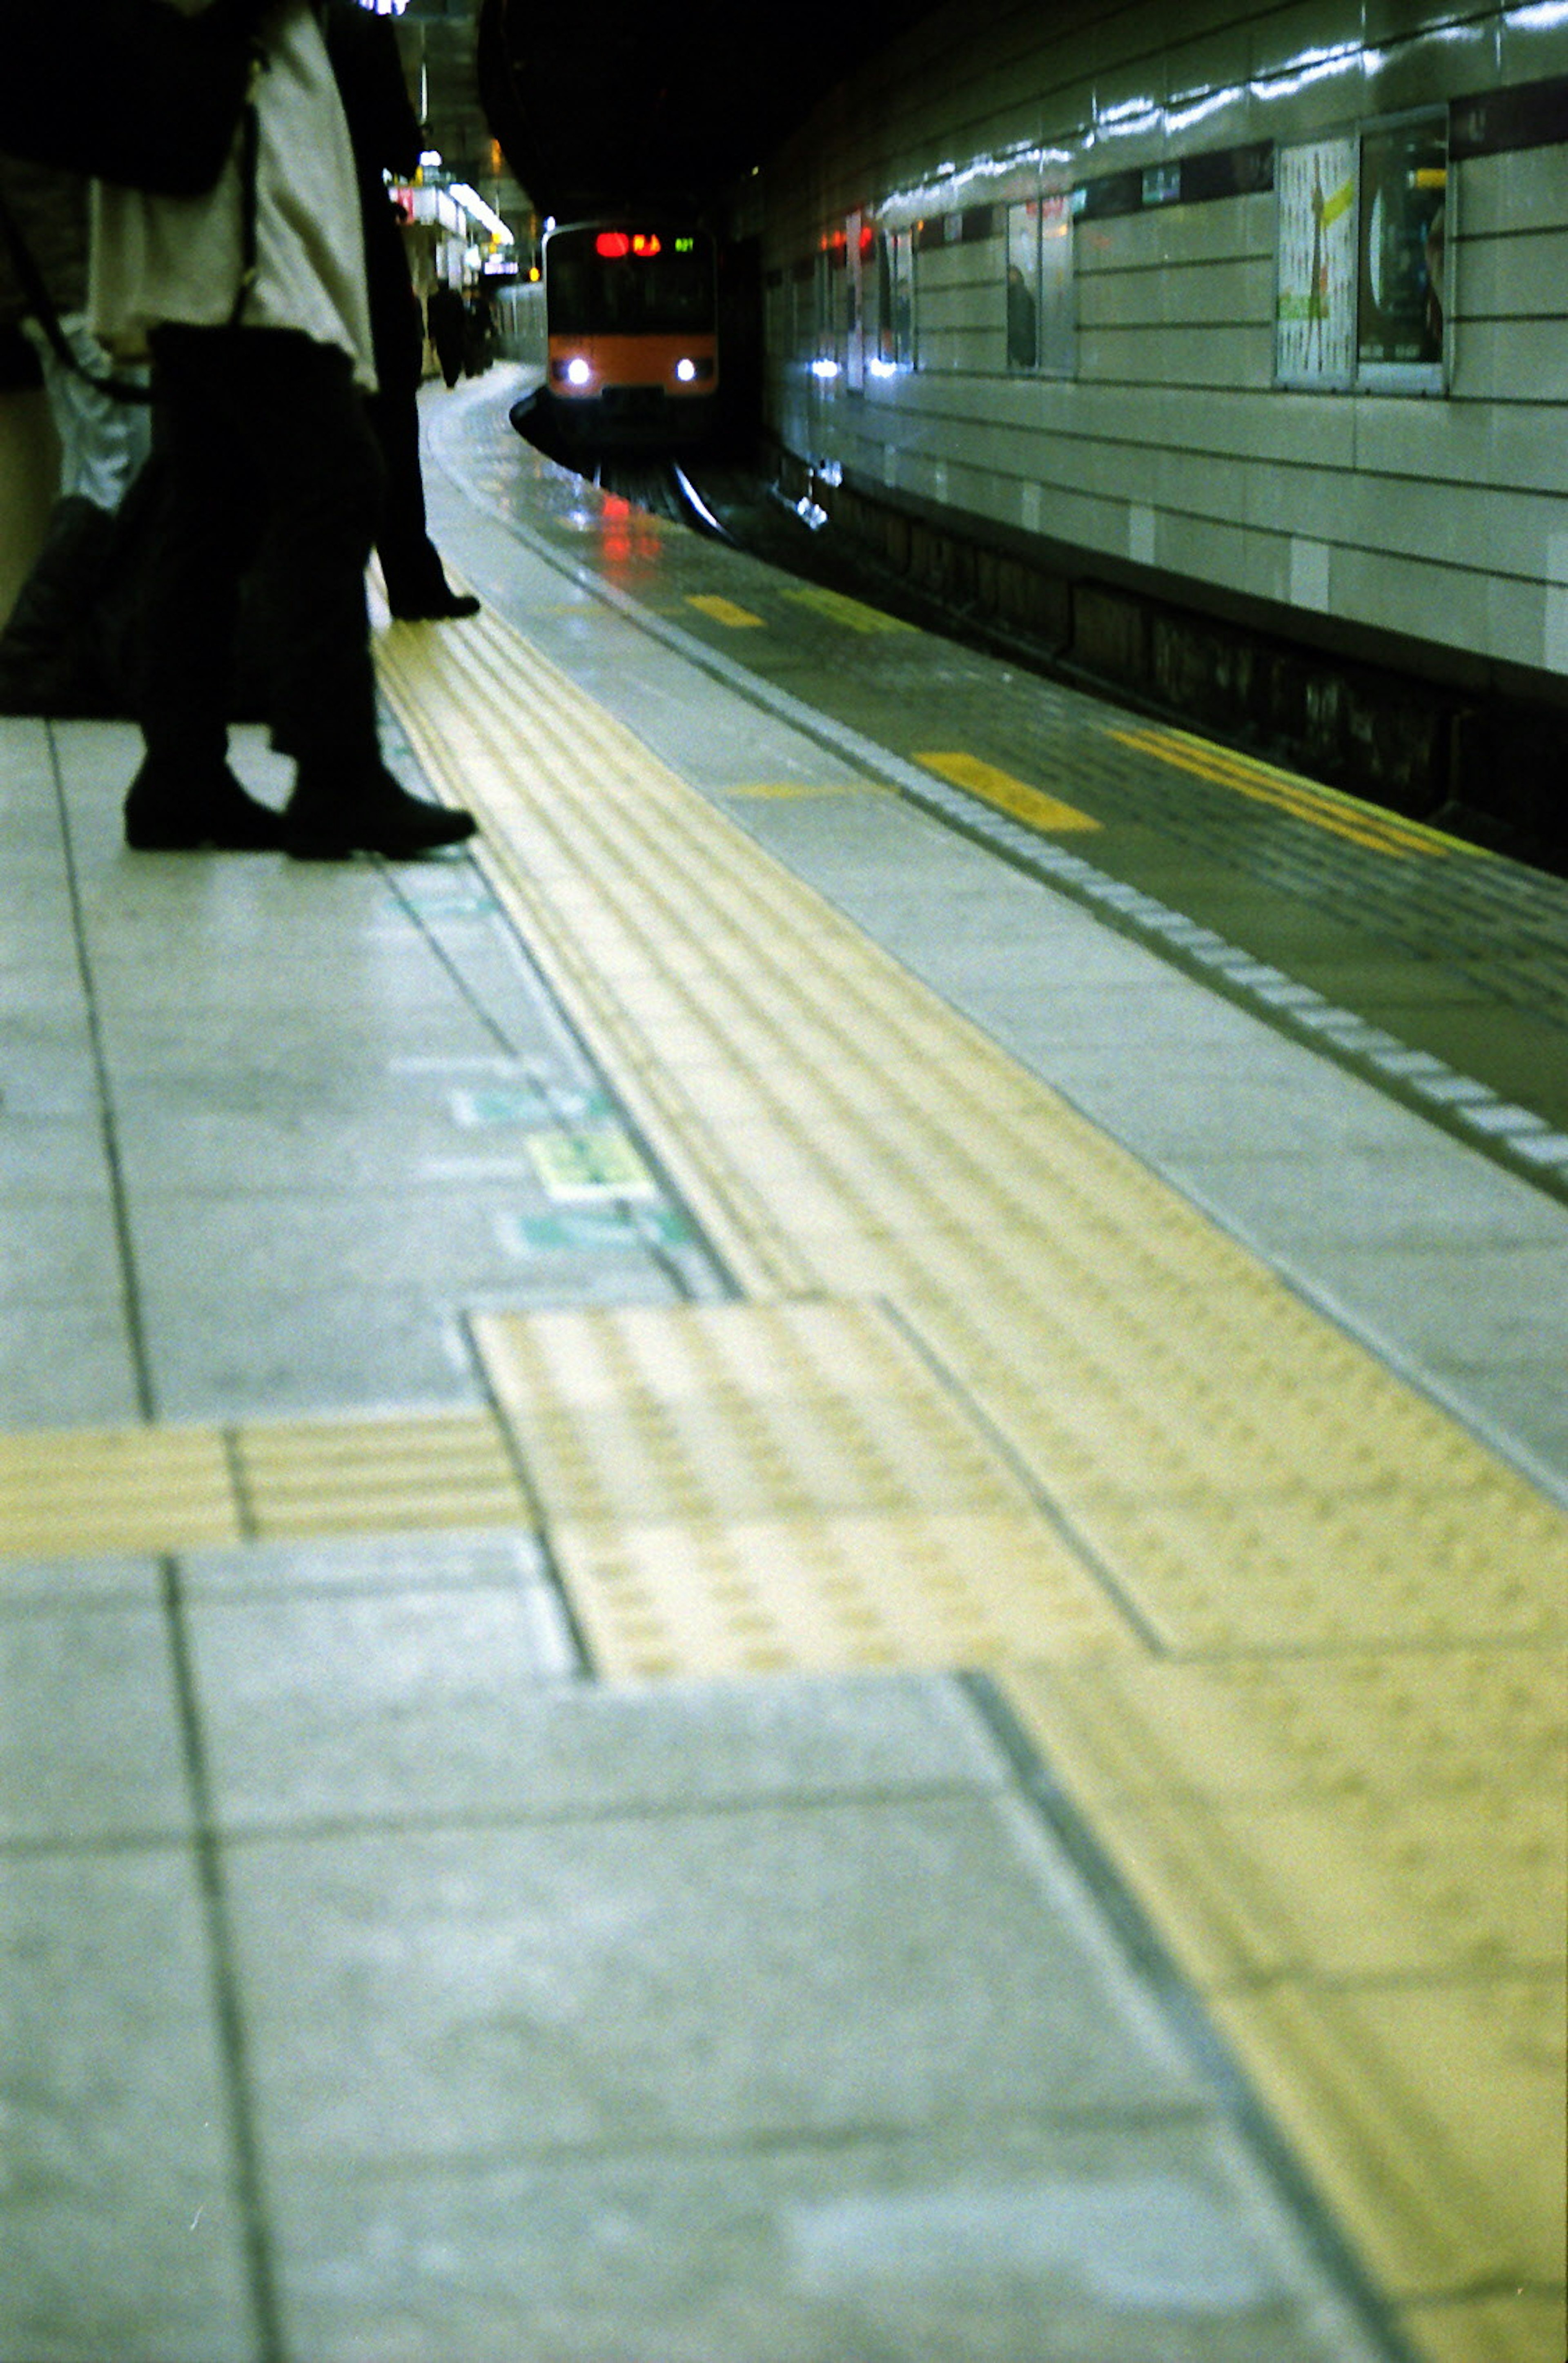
(781, 1565)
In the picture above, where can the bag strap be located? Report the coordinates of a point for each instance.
(42, 304)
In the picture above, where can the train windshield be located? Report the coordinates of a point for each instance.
(661, 282)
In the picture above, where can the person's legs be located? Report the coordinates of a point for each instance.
(417, 587)
(184, 797)
(304, 423)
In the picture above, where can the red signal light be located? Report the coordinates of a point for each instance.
(615, 245)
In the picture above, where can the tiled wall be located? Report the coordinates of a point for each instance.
(1441, 516)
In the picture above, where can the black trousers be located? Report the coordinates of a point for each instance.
(409, 560)
(268, 464)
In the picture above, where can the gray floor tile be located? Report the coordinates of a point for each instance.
(425, 1705)
(284, 1243)
(1524, 1405)
(59, 1249)
(66, 1366)
(1282, 1105)
(120, 2234)
(1171, 1017)
(221, 1356)
(50, 1074)
(77, 1582)
(1497, 1304)
(90, 1745)
(53, 1156)
(445, 1560)
(1428, 1197)
(180, 1147)
(746, 1974)
(843, 844)
(1028, 2245)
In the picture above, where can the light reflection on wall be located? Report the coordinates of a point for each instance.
(1024, 168)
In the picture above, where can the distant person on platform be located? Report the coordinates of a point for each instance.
(479, 341)
(260, 426)
(446, 316)
(103, 442)
(386, 137)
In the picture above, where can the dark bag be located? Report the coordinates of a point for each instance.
(129, 91)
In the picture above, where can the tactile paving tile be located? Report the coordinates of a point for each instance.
(1255, 1485)
(1358, 1859)
(753, 1487)
(1430, 2115)
(75, 1493)
(1525, 2326)
(390, 1475)
(1304, 1569)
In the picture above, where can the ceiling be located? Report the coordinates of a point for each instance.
(439, 40)
(619, 100)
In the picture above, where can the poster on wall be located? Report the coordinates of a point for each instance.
(1023, 287)
(1315, 318)
(1058, 288)
(1402, 253)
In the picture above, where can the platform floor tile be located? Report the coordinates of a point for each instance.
(973, 2246)
(124, 2235)
(1214, 1465)
(776, 1486)
(78, 1493)
(1358, 1859)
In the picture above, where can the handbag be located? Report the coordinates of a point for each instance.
(129, 91)
(135, 92)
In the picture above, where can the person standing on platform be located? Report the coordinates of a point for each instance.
(103, 442)
(252, 304)
(385, 134)
(448, 317)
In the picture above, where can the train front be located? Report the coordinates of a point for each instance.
(633, 346)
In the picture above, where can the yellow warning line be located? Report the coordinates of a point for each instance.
(1032, 805)
(1138, 1416)
(725, 610)
(852, 615)
(1327, 808)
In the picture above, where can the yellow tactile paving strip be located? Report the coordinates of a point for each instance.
(1232, 1481)
(76, 1492)
(752, 1488)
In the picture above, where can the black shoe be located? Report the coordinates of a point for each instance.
(175, 810)
(328, 818)
(443, 606)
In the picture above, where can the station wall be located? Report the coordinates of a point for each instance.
(1296, 338)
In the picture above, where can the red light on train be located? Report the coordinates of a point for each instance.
(615, 245)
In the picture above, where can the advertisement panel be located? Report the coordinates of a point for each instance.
(1315, 316)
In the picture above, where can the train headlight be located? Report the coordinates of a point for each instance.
(686, 371)
(579, 373)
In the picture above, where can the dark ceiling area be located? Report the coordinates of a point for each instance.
(619, 101)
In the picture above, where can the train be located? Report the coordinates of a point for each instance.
(631, 321)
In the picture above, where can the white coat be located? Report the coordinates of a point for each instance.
(159, 261)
